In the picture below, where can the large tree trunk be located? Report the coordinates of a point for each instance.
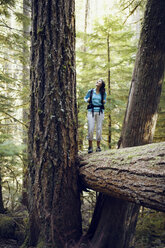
(138, 127)
(54, 200)
(134, 174)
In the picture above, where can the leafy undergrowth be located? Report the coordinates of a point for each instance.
(13, 228)
(150, 229)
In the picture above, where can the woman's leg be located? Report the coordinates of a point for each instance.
(91, 126)
(98, 143)
(99, 122)
(90, 143)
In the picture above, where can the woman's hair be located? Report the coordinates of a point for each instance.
(102, 88)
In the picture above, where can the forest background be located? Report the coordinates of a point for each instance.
(107, 34)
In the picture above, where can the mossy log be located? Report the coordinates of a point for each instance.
(135, 174)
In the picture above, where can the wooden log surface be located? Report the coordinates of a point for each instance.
(135, 174)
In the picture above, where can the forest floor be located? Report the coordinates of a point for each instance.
(150, 229)
(8, 243)
(13, 225)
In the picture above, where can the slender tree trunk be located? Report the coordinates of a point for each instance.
(109, 92)
(2, 210)
(25, 81)
(138, 127)
(86, 16)
(54, 199)
(81, 128)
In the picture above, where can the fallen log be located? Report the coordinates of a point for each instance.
(135, 174)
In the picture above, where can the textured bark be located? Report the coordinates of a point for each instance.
(109, 92)
(134, 174)
(25, 99)
(54, 199)
(138, 127)
(86, 20)
(140, 119)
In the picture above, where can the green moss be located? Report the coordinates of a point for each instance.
(40, 244)
(40, 31)
(130, 157)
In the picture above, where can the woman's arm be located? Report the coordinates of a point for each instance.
(105, 97)
(87, 97)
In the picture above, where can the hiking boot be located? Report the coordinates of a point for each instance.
(90, 150)
(98, 149)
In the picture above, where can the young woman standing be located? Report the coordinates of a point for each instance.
(96, 99)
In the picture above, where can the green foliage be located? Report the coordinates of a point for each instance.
(150, 230)
(14, 57)
(4, 7)
(20, 17)
(92, 64)
(160, 126)
(10, 170)
(9, 149)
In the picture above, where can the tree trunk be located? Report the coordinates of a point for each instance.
(54, 199)
(25, 99)
(138, 127)
(109, 92)
(2, 210)
(134, 174)
(86, 20)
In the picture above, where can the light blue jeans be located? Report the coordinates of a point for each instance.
(98, 119)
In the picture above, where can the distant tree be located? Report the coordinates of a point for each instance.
(86, 21)
(5, 102)
(25, 89)
(11, 46)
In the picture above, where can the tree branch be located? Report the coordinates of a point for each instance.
(16, 120)
(135, 174)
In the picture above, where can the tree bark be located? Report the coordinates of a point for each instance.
(54, 199)
(25, 99)
(2, 209)
(133, 174)
(86, 20)
(109, 92)
(138, 127)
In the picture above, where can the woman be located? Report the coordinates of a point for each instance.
(96, 99)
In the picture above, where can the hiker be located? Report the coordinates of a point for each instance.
(96, 99)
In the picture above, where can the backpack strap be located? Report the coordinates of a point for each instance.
(91, 106)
